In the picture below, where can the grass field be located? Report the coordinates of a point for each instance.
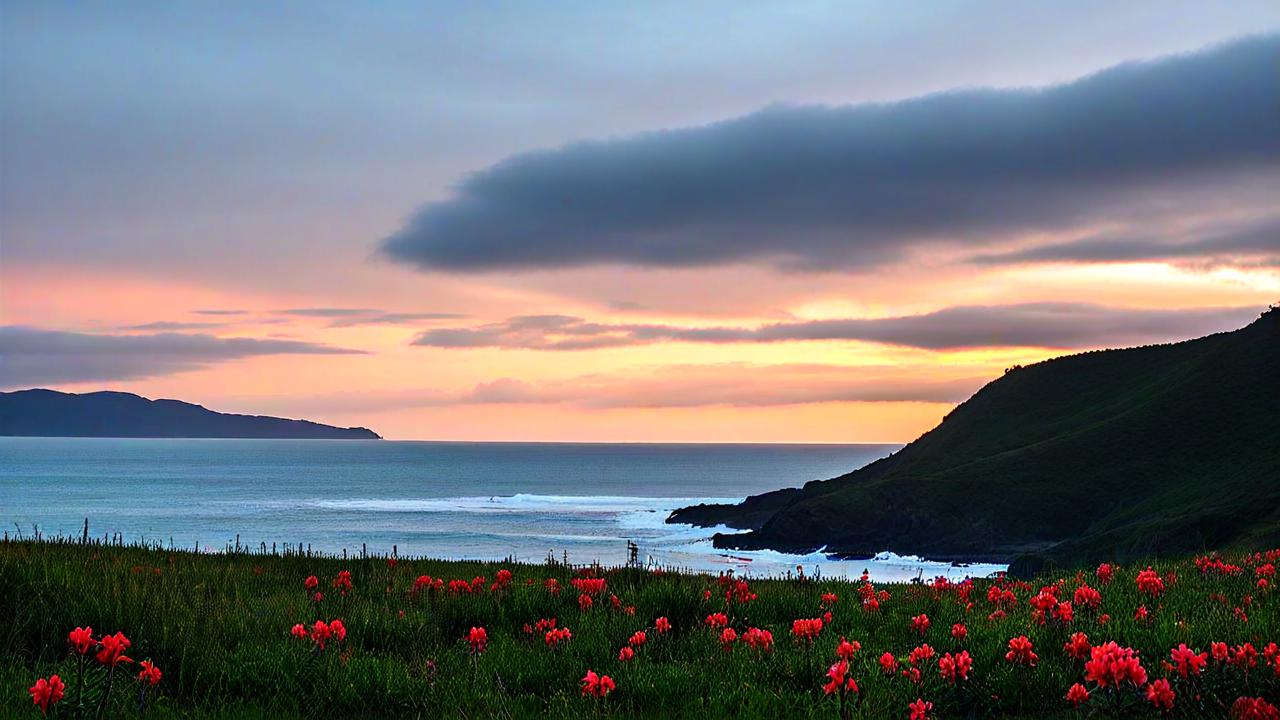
(221, 630)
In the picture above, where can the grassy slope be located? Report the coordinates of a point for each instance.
(1105, 454)
(218, 626)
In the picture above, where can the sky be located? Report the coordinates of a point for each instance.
(577, 221)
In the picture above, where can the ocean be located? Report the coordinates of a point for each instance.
(439, 499)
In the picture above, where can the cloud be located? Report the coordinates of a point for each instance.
(34, 356)
(1047, 325)
(671, 386)
(1258, 241)
(351, 317)
(327, 312)
(820, 187)
(169, 325)
(220, 312)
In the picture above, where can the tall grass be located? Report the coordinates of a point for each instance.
(218, 625)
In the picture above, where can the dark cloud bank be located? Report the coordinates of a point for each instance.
(1052, 325)
(831, 187)
(32, 356)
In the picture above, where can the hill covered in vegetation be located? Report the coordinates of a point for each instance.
(1111, 454)
(48, 413)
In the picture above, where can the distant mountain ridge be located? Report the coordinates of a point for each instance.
(1111, 454)
(49, 413)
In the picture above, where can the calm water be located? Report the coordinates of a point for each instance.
(449, 500)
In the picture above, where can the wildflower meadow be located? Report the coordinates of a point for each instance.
(99, 631)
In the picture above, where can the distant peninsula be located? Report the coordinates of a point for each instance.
(49, 413)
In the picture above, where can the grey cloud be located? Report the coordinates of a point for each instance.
(326, 312)
(351, 317)
(167, 325)
(393, 318)
(1260, 240)
(1051, 325)
(821, 187)
(220, 312)
(34, 356)
(675, 386)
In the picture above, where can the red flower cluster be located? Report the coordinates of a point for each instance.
(149, 673)
(959, 631)
(1020, 651)
(845, 650)
(955, 667)
(1160, 694)
(1077, 695)
(597, 685)
(806, 629)
(1110, 665)
(717, 620)
(838, 680)
(1087, 597)
(662, 625)
(342, 583)
(920, 709)
(81, 639)
(920, 623)
(588, 586)
(758, 639)
(47, 692)
(1188, 661)
(556, 636)
(111, 650)
(1077, 646)
(638, 638)
(477, 638)
(1150, 583)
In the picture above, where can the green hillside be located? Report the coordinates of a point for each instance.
(1106, 454)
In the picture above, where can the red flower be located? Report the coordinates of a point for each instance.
(838, 680)
(1020, 651)
(299, 631)
(1141, 614)
(806, 629)
(828, 600)
(717, 620)
(920, 654)
(888, 663)
(1188, 661)
(662, 625)
(953, 667)
(727, 637)
(638, 638)
(1086, 596)
(343, 581)
(758, 639)
(1161, 695)
(1105, 572)
(846, 650)
(477, 638)
(81, 639)
(920, 623)
(597, 685)
(1077, 695)
(311, 582)
(1149, 582)
(1244, 656)
(959, 631)
(625, 654)
(1078, 646)
(920, 709)
(1219, 650)
(112, 650)
(47, 692)
(1247, 708)
(556, 636)
(338, 629)
(320, 633)
(584, 602)
(149, 674)
(1110, 665)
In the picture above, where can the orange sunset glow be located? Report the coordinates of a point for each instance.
(448, 257)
